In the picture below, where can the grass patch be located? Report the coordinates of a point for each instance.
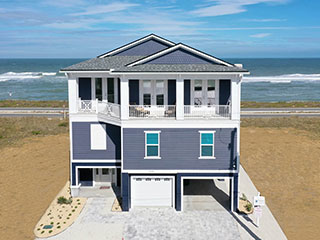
(63, 124)
(309, 124)
(14, 129)
(28, 103)
(252, 104)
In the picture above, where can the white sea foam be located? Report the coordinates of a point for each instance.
(24, 75)
(287, 78)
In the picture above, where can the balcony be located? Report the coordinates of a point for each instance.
(113, 110)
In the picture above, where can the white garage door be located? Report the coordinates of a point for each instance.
(151, 191)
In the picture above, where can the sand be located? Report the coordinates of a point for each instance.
(31, 175)
(284, 166)
(283, 163)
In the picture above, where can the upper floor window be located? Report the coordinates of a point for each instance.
(197, 92)
(207, 144)
(211, 92)
(152, 144)
(98, 84)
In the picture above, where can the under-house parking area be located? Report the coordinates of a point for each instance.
(206, 194)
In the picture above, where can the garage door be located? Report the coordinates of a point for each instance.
(151, 191)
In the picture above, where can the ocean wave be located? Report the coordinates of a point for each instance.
(24, 75)
(287, 78)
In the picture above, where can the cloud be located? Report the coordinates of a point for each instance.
(265, 20)
(260, 35)
(109, 8)
(227, 7)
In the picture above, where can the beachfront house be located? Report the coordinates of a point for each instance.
(150, 117)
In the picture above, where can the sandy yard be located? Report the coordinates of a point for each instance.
(284, 166)
(282, 162)
(31, 175)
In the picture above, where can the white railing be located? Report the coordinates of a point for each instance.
(99, 107)
(87, 106)
(109, 109)
(207, 111)
(152, 111)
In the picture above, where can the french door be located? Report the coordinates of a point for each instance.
(153, 92)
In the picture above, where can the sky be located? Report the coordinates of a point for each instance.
(224, 28)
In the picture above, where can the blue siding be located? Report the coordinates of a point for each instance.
(125, 191)
(179, 149)
(171, 92)
(224, 91)
(85, 88)
(187, 92)
(133, 92)
(144, 49)
(81, 142)
(179, 56)
(74, 165)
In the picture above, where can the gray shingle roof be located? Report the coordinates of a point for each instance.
(118, 64)
(102, 64)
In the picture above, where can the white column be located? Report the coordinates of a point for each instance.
(179, 98)
(72, 93)
(235, 98)
(124, 89)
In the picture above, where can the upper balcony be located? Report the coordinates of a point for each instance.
(154, 99)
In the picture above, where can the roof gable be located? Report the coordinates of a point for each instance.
(180, 54)
(144, 49)
(145, 46)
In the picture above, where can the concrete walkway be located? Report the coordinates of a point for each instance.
(269, 228)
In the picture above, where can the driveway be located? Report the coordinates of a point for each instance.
(97, 222)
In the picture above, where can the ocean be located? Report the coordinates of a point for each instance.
(271, 80)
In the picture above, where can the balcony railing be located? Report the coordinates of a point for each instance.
(99, 107)
(207, 111)
(113, 110)
(152, 111)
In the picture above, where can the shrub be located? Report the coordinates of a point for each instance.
(63, 124)
(244, 197)
(59, 227)
(35, 132)
(50, 231)
(63, 200)
(52, 223)
(248, 206)
(42, 232)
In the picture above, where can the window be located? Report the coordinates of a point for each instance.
(207, 144)
(152, 148)
(211, 92)
(197, 92)
(98, 88)
(105, 171)
(110, 90)
(146, 99)
(98, 137)
(160, 99)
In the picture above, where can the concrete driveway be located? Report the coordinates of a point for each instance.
(97, 222)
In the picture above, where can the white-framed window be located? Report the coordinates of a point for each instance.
(207, 144)
(152, 144)
(98, 136)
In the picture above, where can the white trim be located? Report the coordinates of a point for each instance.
(93, 167)
(156, 176)
(199, 178)
(112, 73)
(152, 145)
(208, 145)
(136, 42)
(185, 47)
(96, 161)
(176, 171)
